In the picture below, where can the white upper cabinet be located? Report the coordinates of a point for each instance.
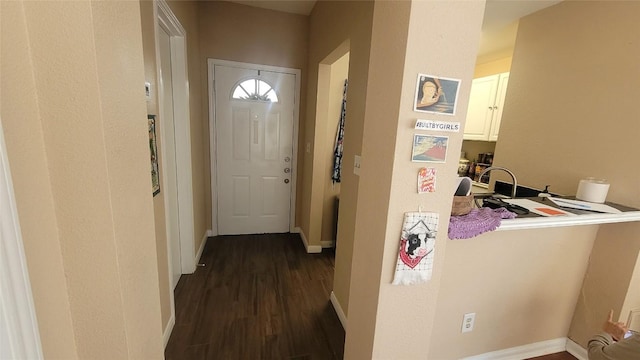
(485, 107)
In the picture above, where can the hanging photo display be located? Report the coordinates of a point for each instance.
(429, 148)
(426, 180)
(417, 245)
(436, 94)
(433, 125)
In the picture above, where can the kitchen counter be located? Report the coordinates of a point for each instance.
(533, 221)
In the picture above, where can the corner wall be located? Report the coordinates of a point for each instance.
(442, 40)
(150, 74)
(331, 24)
(80, 70)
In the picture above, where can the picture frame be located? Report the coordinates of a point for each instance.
(437, 95)
(429, 148)
(153, 150)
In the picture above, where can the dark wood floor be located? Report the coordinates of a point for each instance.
(258, 297)
(557, 356)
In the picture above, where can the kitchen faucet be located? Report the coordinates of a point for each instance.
(513, 177)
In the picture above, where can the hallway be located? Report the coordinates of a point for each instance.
(257, 297)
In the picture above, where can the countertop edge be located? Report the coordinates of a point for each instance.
(560, 221)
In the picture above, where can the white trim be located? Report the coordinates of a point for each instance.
(326, 244)
(296, 120)
(206, 236)
(525, 351)
(560, 221)
(19, 335)
(311, 249)
(182, 126)
(339, 311)
(169, 329)
(576, 350)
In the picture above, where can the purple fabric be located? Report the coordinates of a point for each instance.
(476, 222)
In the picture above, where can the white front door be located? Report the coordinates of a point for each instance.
(167, 127)
(253, 134)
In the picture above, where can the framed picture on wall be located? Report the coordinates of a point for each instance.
(153, 149)
(436, 94)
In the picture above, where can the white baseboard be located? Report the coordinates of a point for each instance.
(525, 351)
(338, 309)
(206, 236)
(311, 249)
(168, 330)
(576, 350)
(326, 244)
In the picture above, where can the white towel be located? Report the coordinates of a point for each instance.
(417, 246)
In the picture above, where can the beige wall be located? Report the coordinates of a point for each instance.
(571, 112)
(274, 38)
(338, 74)
(450, 30)
(523, 286)
(493, 67)
(83, 130)
(331, 25)
(150, 75)
(32, 185)
(187, 13)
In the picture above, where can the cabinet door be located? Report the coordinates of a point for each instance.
(497, 113)
(481, 102)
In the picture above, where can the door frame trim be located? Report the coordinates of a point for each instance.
(165, 18)
(19, 329)
(212, 123)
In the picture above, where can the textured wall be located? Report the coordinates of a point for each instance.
(442, 39)
(87, 71)
(31, 180)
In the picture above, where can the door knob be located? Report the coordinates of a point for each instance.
(286, 181)
(287, 170)
(287, 159)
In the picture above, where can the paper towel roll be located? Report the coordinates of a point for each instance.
(593, 190)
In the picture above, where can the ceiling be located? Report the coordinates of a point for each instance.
(499, 27)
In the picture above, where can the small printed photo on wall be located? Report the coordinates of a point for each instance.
(436, 94)
(429, 148)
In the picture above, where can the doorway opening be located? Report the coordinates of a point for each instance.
(333, 73)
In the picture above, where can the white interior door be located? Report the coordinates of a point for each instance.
(254, 151)
(167, 127)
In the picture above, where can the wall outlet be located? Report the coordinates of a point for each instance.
(467, 322)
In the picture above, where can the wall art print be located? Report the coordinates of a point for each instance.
(426, 180)
(436, 94)
(417, 246)
(153, 149)
(429, 148)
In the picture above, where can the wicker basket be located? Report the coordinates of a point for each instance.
(462, 205)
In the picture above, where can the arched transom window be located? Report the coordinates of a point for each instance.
(254, 89)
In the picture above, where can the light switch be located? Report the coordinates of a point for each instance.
(356, 165)
(147, 91)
